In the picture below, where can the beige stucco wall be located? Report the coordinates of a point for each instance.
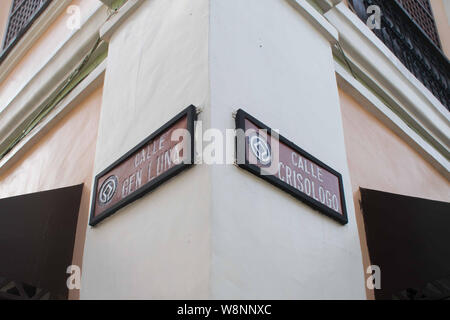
(441, 11)
(378, 159)
(63, 157)
(5, 6)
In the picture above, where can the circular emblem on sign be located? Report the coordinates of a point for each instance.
(261, 149)
(107, 190)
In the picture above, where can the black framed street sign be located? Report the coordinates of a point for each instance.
(285, 165)
(164, 154)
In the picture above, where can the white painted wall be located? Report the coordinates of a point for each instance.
(266, 59)
(158, 247)
(219, 232)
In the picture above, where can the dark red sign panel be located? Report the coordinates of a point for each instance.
(162, 155)
(277, 160)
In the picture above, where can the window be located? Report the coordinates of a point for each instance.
(420, 11)
(409, 31)
(22, 15)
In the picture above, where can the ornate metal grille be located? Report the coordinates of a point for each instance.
(434, 290)
(420, 11)
(15, 290)
(22, 14)
(412, 46)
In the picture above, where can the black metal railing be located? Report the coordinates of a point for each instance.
(422, 14)
(22, 15)
(412, 45)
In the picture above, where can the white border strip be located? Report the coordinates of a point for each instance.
(108, 29)
(33, 33)
(376, 107)
(316, 19)
(43, 84)
(387, 76)
(74, 98)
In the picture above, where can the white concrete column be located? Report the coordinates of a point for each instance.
(217, 231)
(158, 246)
(268, 59)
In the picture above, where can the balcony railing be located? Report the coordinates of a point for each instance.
(416, 48)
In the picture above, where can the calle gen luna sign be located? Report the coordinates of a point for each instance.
(162, 155)
(270, 156)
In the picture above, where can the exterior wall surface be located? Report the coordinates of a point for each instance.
(4, 13)
(215, 231)
(441, 11)
(157, 247)
(268, 60)
(379, 160)
(63, 157)
(42, 50)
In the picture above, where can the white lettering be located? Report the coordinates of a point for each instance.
(280, 165)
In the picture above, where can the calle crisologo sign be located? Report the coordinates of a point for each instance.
(260, 148)
(273, 158)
